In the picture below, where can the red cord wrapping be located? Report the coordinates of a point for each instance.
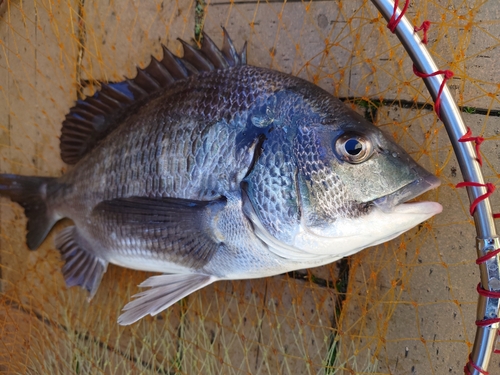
(487, 322)
(490, 188)
(467, 137)
(487, 293)
(487, 257)
(425, 28)
(393, 22)
(466, 369)
(447, 75)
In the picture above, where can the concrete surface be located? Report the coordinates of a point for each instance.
(410, 304)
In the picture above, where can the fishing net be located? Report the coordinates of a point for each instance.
(404, 307)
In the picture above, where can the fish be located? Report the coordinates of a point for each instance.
(206, 168)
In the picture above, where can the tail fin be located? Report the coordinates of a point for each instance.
(30, 193)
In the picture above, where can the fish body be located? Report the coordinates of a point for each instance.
(205, 168)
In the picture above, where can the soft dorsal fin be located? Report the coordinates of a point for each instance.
(92, 118)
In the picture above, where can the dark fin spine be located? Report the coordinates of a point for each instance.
(213, 53)
(229, 51)
(135, 88)
(116, 94)
(174, 65)
(160, 73)
(146, 82)
(91, 119)
(82, 267)
(30, 193)
(196, 58)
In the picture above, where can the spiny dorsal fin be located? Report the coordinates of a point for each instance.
(92, 118)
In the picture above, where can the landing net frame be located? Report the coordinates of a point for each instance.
(71, 298)
(469, 159)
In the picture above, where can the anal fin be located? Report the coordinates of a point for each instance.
(165, 291)
(82, 267)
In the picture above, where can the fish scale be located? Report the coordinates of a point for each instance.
(328, 193)
(203, 168)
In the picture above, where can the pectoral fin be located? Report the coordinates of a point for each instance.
(181, 228)
(165, 291)
(82, 267)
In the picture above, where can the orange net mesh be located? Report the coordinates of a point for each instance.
(404, 307)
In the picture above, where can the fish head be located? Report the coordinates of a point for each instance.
(354, 184)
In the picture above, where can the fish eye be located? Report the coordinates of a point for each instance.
(353, 148)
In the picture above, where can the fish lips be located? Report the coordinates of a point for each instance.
(396, 201)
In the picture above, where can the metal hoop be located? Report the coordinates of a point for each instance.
(487, 239)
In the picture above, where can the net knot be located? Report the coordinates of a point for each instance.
(425, 28)
(393, 21)
(448, 74)
(467, 137)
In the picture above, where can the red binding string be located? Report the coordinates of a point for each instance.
(490, 188)
(447, 75)
(393, 22)
(487, 257)
(487, 322)
(467, 137)
(476, 367)
(487, 293)
(424, 27)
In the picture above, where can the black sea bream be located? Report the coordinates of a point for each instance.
(204, 168)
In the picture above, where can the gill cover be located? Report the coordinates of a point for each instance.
(270, 186)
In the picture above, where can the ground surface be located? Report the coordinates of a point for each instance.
(407, 307)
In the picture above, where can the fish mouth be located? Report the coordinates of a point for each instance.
(396, 201)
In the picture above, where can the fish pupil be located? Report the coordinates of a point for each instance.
(353, 147)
